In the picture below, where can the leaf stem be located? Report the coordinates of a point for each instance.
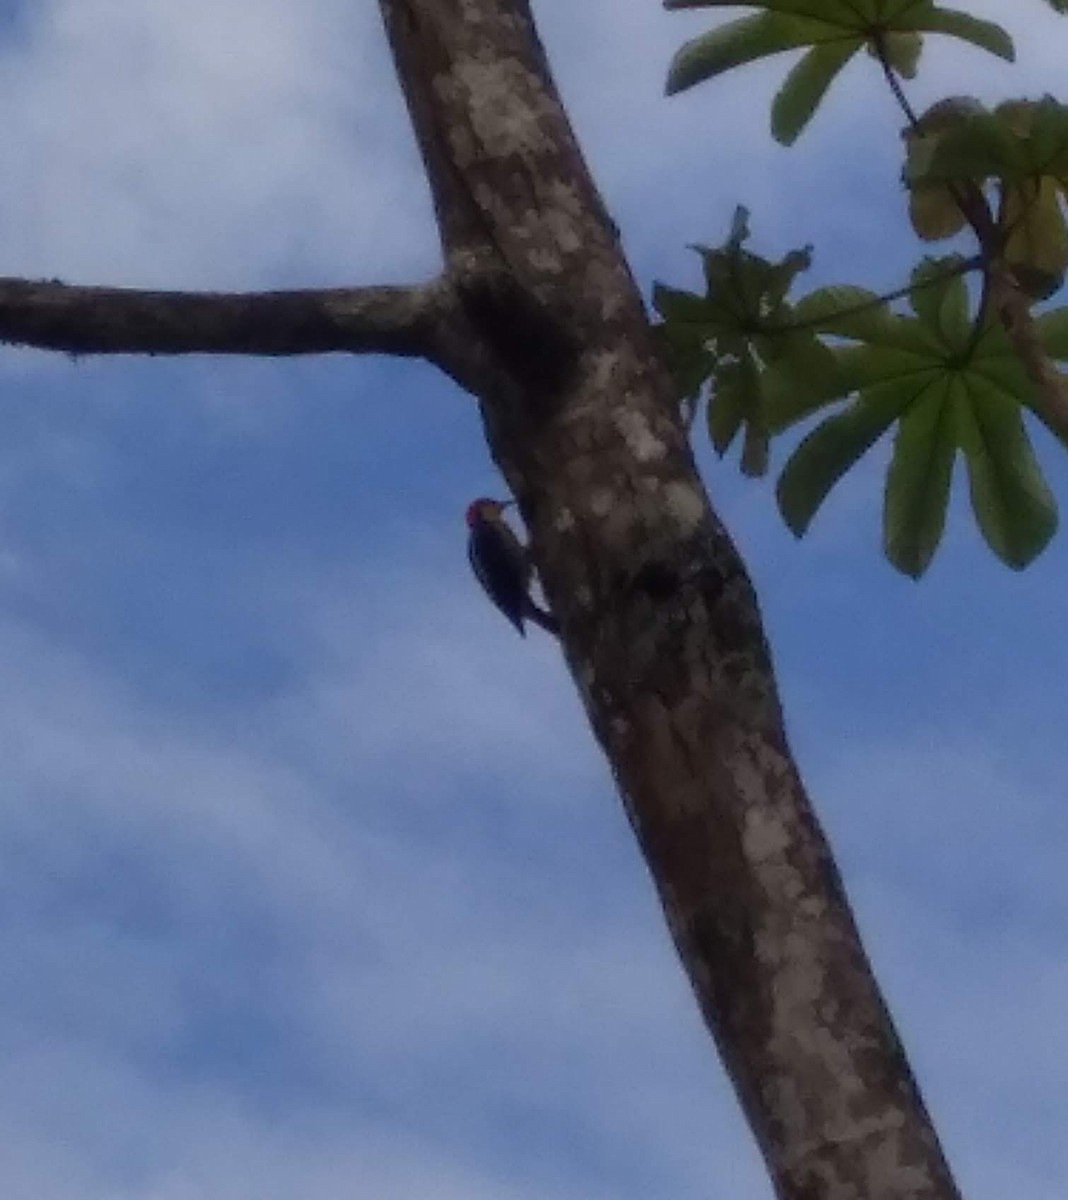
(975, 263)
(879, 40)
(969, 199)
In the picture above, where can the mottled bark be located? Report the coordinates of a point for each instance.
(659, 622)
(52, 315)
(537, 314)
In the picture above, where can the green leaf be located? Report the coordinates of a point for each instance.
(802, 375)
(1053, 330)
(959, 142)
(680, 307)
(917, 483)
(933, 212)
(779, 277)
(735, 396)
(745, 288)
(975, 148)
(805, 86)
(867, 366)
(902, 52)
(740, 41)
(1037, 247)
(797, 352)
(826, 453)
(850, 311)
(788, 399)
(860, 315)
(861, 369)
(940, 300)
(997, 366)
(690, 367)
(833, 31)
(754, 460)
(1042, 127)
(1013, 506)
(732, 334)
(984, 34)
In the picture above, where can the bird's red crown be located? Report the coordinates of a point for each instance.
(482, 508)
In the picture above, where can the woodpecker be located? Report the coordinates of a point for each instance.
(502, 564)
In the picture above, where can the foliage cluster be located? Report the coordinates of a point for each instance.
(955, 372)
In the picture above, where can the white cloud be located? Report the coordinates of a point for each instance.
(145, 859)
(208, 145)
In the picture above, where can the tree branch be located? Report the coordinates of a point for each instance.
(1050, 400)
(51, 315)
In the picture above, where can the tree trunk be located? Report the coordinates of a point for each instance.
(659, 621)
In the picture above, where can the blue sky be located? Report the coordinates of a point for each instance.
(311, 880)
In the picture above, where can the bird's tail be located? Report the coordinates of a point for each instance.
(539, 616)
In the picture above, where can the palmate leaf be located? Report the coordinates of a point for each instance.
(745, 285)
(855, 369)
(951, 388)
(740, 41)
(685, 336)
(985, 34)
(917, 483)
(825, 455)
(861, 316)
(951, 383)
(805, 87)
(893, 348)
(800, 369)
(682, 308)
(735, 398)
(832, 32)
(940, 300)
(730, 337)
(996, 366)
(1013, 505)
